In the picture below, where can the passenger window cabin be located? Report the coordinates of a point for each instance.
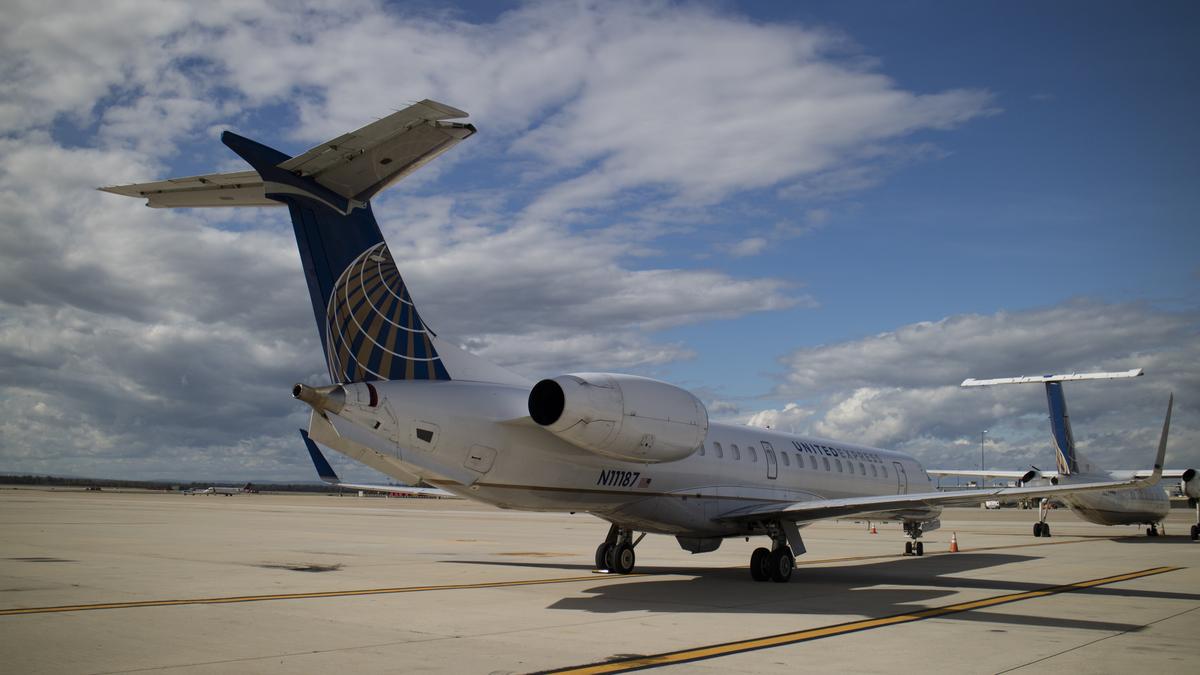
(737, 454)
(825, 461)
(717, 450)
(753, 455)
(812, 462)
(838, 463)
(786, 461)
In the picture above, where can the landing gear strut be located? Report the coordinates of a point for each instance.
(616, 554)
(916, 546)
(1152, 531)
(776, 563)
(1041, 528)
(1196, 527)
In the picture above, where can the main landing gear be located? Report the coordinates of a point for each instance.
(774, 565)
(616, 553)
(1152, 531)
(915, 546)
(1196, 527)
(1041, 528)
(777, 563)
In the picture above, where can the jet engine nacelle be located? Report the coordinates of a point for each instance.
(1190, 482)
(621, 416)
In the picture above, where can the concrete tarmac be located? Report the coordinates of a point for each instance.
(148, 582)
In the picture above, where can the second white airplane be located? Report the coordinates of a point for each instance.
(1146, 505)
(638, 453)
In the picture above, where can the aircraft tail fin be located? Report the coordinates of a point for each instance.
(1065, 455)
(369, 327)
(1067, 458)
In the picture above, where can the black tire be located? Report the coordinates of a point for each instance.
(1037, 529)
(919, 548)
(602, 556)
(1045, 529)
(782, 563)
(760, 564)
(1195, 532)
(622, 559)
(908, 548)
(1150, 532)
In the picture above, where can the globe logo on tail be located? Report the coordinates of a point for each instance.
(373, 330)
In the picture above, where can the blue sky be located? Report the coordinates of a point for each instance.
(819, 216)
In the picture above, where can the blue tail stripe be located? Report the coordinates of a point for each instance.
(1060, 427)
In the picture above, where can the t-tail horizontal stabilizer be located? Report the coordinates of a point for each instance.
(342, 173)
(1066, 457)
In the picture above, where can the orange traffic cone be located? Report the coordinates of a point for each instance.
(873, 530)
(954, 542)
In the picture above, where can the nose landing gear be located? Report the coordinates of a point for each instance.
(1041, 528)
(915, 546)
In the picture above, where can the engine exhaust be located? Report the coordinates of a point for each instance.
(329, 399)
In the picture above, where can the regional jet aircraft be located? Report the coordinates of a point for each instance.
(638, 453)
(1147, 505)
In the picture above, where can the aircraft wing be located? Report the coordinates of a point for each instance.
(356, 165)
(896, 505)
(970, 473)
(327, 474)
(1167, 473)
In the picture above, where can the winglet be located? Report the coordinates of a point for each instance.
(325, 471)
(1162, 448)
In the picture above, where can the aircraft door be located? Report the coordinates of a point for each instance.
(772, 463)
(901, 479)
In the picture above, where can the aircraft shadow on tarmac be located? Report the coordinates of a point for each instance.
(908, 584)
(1161, 539)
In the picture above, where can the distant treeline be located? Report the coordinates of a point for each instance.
(166, 486)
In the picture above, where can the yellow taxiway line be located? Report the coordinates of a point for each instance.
(767, 642)
(293, 596)
(17, 611)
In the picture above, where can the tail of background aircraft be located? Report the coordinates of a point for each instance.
(369, 327)
(1066, 456)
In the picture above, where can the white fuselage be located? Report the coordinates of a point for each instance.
(476, 440)
(1145, 505)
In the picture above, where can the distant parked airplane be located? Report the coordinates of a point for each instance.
(1147, 505)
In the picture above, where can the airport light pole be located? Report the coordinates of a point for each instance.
(982, 436)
